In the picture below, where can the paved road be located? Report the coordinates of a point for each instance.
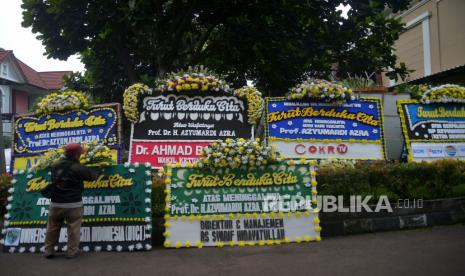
(431, 251)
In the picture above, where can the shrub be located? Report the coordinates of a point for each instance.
(158, 196)
(439, 179)
(5, 184)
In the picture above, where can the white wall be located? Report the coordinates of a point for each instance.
(9, 71)
(392, 129)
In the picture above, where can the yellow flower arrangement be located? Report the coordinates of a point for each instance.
(447, 93)
(194, 79)
(255, 102)
(62, 101)
(131, 99)
(321, 90)
(96, 155)
(50, 157)
(236, 153)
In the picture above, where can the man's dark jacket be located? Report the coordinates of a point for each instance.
(69, 177)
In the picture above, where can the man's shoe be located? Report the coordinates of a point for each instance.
(72, 256)
(48, 255)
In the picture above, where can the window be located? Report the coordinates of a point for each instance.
(2, 95)
(5, 69)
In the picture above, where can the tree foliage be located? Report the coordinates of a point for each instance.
(270, 42)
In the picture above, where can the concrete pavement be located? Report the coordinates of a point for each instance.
(430, 251)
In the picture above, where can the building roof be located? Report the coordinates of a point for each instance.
(4, 54)
(50, 80)
(53, 79)
(454, 74)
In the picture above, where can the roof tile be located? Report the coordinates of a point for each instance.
(52, 80)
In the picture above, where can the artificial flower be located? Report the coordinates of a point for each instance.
(321, 90)
(255, 102)
(240, 152)
(446, 93)
(131, 99)
(62, 101)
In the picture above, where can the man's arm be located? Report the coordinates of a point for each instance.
(86, 174)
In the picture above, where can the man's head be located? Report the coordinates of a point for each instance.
(73, 151)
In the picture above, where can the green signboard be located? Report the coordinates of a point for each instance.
(224, 190)
(271, 204)
(117, 211)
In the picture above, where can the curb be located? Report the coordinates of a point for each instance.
(433, 212)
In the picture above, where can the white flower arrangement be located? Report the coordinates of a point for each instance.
(446, 93)
(322, 90)
(237, 153)
(194, 79)
(95, 155)
(62, 101)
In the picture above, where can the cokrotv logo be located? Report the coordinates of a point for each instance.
(340, 149)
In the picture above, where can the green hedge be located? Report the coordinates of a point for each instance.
(440, 179)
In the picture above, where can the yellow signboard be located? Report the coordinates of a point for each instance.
(26, 162)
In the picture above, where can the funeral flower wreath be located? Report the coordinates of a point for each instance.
(237, 153)
(131, 98)
(447, 93)
(62, 101)
(255, 102)
(196, 80)
(322, 90)
(96, 155)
